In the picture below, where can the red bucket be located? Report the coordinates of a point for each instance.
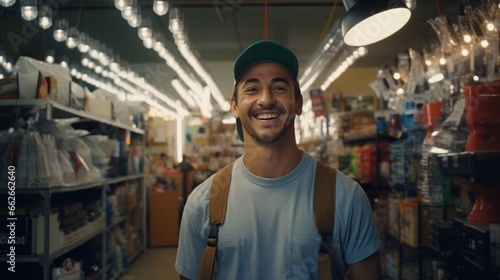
(482, 106)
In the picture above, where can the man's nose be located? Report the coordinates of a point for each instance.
(266, 98)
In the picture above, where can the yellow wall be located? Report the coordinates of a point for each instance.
(354, 81)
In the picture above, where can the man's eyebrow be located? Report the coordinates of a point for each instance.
(274, 80)
(252, 80)
(280, 79)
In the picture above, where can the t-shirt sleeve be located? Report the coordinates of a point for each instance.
(192, 240)
(361, 235)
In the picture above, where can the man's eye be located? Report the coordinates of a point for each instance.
(251, 89)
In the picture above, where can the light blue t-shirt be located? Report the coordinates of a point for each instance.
(270, 231)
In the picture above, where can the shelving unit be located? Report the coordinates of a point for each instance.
(98, 228)
(474, 171)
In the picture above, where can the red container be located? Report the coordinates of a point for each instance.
(482, 106)
(486, 209)
(432, 113)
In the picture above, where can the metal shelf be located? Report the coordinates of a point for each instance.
(136, 176)
(474, 166)
(74, 245)
(117, 221)
(57, 110)
(53, 110)
(40, 258)
(69, 188)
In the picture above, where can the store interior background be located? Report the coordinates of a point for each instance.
(217, 31)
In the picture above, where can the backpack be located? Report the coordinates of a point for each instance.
(324, 212)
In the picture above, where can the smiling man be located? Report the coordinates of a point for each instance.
(269, 230)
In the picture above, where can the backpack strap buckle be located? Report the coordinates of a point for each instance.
(213, 235)
(326, 242)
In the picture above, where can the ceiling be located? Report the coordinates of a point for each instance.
(218, 30)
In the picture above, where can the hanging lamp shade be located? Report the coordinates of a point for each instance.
(369, 21)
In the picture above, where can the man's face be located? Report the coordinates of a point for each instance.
(266, 102)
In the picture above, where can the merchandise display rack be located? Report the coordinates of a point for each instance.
(476, 171)
(54, 110)
(477, 166)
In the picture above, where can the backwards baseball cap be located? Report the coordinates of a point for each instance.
(264, 51)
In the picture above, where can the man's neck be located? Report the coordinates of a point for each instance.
(271, 160)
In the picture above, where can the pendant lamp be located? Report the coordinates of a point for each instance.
(29, 9)
(369, 21)
(160, 7)
(7, 3)
(45, 18)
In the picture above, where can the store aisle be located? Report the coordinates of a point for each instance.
(154, 264)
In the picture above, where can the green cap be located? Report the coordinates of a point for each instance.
(262, 51)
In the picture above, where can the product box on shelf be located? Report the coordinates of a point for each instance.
(393, 216)
(34, 85)
(56, 236)
(495, 246)
(410, 219)
(34, 234)
(473, 242)
(58, 83)
(102, 108)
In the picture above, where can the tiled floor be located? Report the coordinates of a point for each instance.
(154, 264)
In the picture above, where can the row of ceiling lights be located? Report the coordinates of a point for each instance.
(196, 95)
(361, 26)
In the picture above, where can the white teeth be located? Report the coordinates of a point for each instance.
(267, 116)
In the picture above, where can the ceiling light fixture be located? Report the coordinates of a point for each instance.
(45, 18)
(105, 57)
(160, 7)
(367, 22)
(145, 30)
(61, 30)
(136, 18)
(151, 40)
(129, 9)
(29, 10)
(332, 52)
(72, 40)
(7, 3)
(50, 58)
(341, 64)
(176, 84)
(176, 26)
(83, 42)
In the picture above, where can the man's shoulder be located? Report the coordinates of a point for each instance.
(201, 194)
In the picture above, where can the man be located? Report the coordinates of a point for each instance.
(269, 230)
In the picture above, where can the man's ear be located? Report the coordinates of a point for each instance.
(299, 105)
(234, 108)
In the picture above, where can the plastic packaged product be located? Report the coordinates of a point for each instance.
(444, 32)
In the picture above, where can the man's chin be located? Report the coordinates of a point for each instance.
(268, 137)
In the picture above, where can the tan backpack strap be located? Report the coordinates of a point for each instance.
(324, 213)
(219, 192)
